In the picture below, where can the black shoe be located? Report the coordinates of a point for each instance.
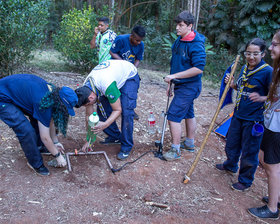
(42, 170)
(263, 213)
(136, 116)
(222, 168)
(109, 141)
(239, 187)
(265, 200)
(43, 150)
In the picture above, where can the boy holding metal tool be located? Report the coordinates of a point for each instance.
(187, 64)
(113, 85)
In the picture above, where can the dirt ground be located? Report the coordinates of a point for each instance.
(91, 193)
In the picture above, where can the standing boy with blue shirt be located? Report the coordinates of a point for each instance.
(130, 47)
(187, 64)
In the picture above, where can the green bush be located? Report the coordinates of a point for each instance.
(22, 26)
(232, 23)
(156, 50)
(74, 36)
(216, 64)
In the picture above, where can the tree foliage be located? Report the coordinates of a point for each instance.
(234, 22)
(22, 29)
(73, 38)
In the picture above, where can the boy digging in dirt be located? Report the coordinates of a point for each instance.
(113, 85)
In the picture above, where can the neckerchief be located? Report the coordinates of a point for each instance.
(95, 90)
(244, 79)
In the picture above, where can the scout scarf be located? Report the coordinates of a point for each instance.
(244, 79)
(97, 95)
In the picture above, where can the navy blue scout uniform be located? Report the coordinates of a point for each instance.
(126, 50)
(246, 113)
(21, 95)
(185, 55)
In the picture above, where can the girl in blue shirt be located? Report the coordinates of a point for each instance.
(252, 89)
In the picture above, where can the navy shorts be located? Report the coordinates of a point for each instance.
(181, 106)
(271, 146)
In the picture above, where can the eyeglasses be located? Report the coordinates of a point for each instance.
(249, 54)
(274, 44)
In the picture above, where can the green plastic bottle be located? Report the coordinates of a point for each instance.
(92, 121)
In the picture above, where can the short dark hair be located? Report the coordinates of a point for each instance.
(258, 42)
(185, 17)
(83, 94)
(139, 30)
(104, 20)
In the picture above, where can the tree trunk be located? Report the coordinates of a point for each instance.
(194, 8)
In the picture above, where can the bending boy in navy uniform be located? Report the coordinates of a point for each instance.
(113, 85)
(187, 64)
(47, 107)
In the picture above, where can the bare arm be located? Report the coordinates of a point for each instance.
(136, 63)
(89, 111)
(92, 42)
(53, 132)
(115, 56)
(255, 97)
(184, 74)
(46, 138)
(117, 110)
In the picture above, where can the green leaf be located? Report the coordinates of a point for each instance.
(265, 6)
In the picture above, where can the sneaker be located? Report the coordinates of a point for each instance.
(42, 170)
(43, 150)
(136, 116)
(122, 155)
(265, 200)
(189, 148)
(222, 168)
(264, 213)
(172, 154)
(239, 187)
(109, 141)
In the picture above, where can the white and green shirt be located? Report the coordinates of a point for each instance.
(108, 77)
(103, 43)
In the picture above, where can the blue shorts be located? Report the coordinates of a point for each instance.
(181, 106)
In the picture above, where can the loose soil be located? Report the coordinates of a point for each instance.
(91, 193)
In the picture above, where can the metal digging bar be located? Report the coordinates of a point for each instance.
(68, 154)
(159, 143)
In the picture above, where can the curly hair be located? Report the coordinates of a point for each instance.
(60, 113)
(276, 73)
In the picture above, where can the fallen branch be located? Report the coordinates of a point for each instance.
(157, 204)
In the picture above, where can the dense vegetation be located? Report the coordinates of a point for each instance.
(22, 29)
(227, 24)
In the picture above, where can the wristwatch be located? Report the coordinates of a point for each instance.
(56, 155)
